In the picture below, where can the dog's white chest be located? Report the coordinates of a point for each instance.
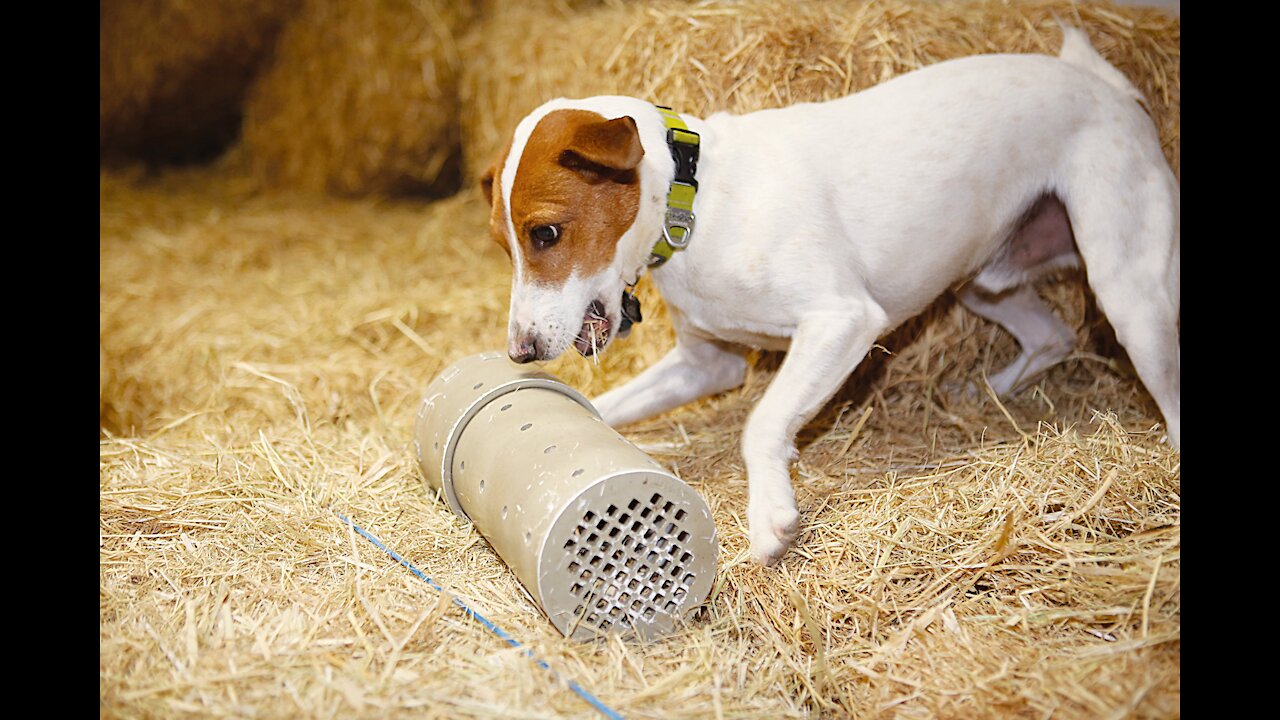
(755, 319)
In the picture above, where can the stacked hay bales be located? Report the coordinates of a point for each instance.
(738, 57)
(361, 99)
(173, 74)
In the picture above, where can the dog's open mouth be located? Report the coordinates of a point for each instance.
(595, 330)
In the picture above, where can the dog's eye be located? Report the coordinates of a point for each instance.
(545, 235)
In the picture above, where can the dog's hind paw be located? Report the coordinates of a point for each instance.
(772, 532)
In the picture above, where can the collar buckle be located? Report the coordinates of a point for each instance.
(685, 145)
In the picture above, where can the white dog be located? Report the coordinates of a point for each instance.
(820, 227)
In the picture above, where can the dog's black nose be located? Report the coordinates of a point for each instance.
(524, 350)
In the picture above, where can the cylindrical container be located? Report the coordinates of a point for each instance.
(602, 537)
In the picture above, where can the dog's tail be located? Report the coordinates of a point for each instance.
(1077, 51)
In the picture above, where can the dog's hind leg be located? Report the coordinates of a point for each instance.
(825, 348)
(1045, 340)
(1127, 230)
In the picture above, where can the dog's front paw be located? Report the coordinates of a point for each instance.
(773, 527)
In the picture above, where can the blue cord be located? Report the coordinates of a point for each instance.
(582, 692)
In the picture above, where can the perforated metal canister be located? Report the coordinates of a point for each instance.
(603, 538)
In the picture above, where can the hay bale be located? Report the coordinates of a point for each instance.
(490, 8)
(739, 57)
(173, 74)
(360, 99)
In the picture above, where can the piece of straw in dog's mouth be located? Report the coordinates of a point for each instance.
(595, 329)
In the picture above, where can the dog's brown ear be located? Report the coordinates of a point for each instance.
(486, 182)
(613, 144)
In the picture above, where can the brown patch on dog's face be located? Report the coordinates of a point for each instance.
(576, 192)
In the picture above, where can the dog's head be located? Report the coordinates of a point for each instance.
(570, 200)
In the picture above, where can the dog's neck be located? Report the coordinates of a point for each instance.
(667, 217)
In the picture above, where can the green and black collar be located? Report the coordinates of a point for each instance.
(677, 228)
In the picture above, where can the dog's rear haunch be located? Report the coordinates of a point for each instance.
(822, 226)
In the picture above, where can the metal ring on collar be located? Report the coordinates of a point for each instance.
(682, 219)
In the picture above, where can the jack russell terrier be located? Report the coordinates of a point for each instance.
(820, 227)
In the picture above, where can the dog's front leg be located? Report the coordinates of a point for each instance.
(825, 349)
(694, 368)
